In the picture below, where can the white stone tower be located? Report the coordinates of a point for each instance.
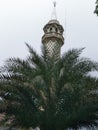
(53, 37)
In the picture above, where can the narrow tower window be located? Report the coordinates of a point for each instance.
(56, 29)
(50, 29)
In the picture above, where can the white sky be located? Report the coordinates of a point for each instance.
(23, 20)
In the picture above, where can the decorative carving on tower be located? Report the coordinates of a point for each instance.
(53, 38)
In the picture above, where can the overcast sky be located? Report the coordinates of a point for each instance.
(23, 20)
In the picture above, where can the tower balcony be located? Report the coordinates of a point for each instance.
(52, 36)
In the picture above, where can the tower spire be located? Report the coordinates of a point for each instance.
(54, 16)
(54, 3)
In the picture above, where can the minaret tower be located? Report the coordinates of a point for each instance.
(53, 37)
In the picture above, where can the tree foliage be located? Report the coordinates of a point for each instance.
(50, 95)
(96, 8)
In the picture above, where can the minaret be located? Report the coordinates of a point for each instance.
(53, 37)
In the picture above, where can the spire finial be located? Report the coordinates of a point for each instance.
(53, 16)
(54, 3)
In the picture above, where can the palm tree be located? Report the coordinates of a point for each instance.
(51, 95)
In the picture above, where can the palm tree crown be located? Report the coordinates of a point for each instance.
(51, 95)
